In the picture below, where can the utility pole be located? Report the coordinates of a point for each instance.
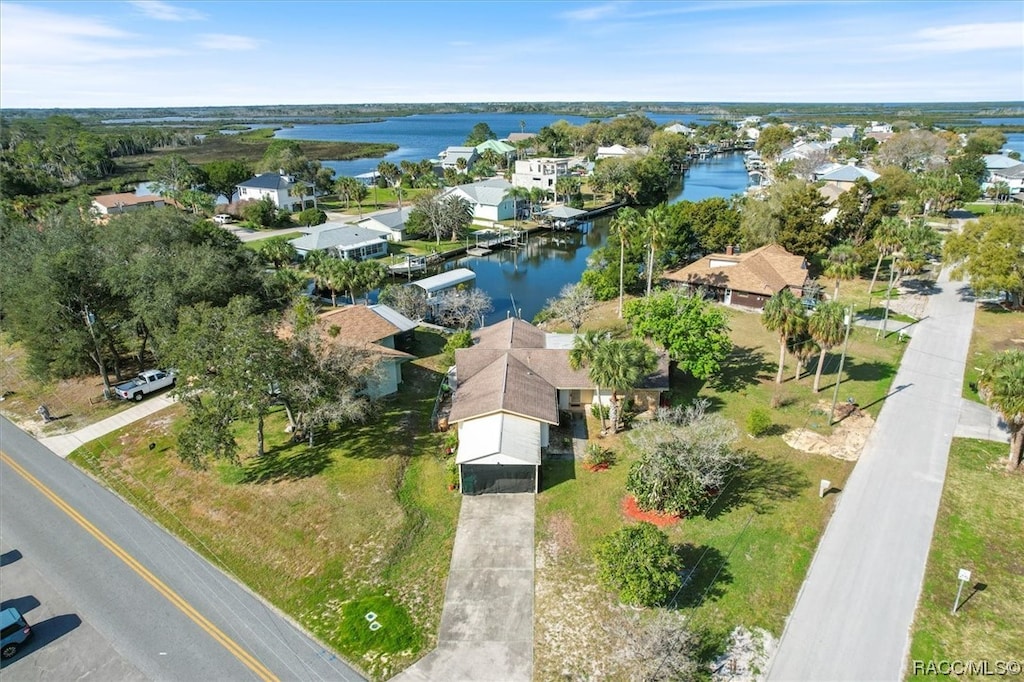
(848, 321)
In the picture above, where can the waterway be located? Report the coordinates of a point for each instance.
(424, 136)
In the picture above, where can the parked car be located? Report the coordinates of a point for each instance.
(145, 383)
(14, 630)
(222, 219)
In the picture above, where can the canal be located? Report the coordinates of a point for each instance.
(521, 281)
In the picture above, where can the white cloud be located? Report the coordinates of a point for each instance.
(592, 13)
(165, 11)
(968, 38)
(227, 41)
(31, 37)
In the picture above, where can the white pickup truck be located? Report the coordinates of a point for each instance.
(147, 382)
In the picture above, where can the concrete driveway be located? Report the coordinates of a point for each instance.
(487, 623)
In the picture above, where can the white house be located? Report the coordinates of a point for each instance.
(278, 187)
(347, 242)
(844, 176)
(125, 202)
(680, 128)
(1012, 177)
(541, 173)
(489, 198)
(390, 224)
(617, 151)
(450, 157)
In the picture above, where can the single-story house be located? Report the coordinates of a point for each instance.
(124, 202)
(1012, 177)
(617, 151)
(277, 186)
(746, 279)
(450, 157)
(341, 241)
(391, 223)
(378, 329)
(839, 133)
(845, 176)
(508, 389)
(489, 198)
(680, 129)
(503, 149)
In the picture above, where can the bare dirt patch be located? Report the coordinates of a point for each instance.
(846, 440)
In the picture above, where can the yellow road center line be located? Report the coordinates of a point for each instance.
(237, 651)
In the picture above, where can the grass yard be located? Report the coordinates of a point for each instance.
(362, 521)
(995, 329)
(980, 528)
(750, 548)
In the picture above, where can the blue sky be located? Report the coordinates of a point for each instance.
(151, 53)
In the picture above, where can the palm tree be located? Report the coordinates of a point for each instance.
(515, 194)
(843, 263)
(656, 226)
(624, 224)
(826, 326)
(537, 196)
(783, 314)
(1002, 386)
(887, 239)
(586, 349)
(802, 346)
(621, 365)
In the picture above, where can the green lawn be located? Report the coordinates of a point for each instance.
(995, 329)
(362, 521)
(980, 528)
(751, 547)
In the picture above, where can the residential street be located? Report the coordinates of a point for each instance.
(853, 615)
(120, 598)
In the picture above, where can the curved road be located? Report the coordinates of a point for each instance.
(134, 602)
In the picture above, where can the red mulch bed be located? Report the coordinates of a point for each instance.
(660, 520)
(597, 467)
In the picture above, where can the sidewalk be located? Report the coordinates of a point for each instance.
(64, 444)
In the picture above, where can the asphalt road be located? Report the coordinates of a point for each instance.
(853, 615)
(120, 598)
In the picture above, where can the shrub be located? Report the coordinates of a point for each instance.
(311, 216)
(600, 411)
(597, 456)
(639, 564)
(684, 453)
(460, 339)
(759, 422)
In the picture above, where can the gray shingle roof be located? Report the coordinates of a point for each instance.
(485, 192)
(345, 237)
(268, 181)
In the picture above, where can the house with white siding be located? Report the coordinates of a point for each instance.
(277, 186)
(488, 198)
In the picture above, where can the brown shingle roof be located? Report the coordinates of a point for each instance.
(765, 271)
(510, 333)
(126, 199)
(504, 385)
(357, 324)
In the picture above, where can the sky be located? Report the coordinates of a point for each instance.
(159, 53)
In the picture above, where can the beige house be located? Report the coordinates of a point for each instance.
(380, 331)
(509, 388)
(125, 202)
(746, 279)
